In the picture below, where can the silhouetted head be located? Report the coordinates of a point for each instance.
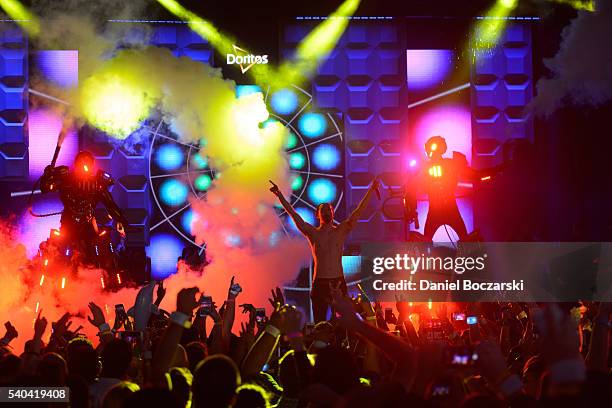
(215, 382)
(435, 147)
(84, 164)
(325, 213)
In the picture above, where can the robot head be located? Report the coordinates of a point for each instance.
(435, 147)
(84, 164)
(325, 213)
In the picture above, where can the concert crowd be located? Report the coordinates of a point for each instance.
(366, 355)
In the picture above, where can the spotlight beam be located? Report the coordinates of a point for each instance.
(310, 52)
(22, 16)
(318, 44)
(221, 42)
(439, 95)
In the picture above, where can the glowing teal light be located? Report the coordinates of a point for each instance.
(173, 192)
(269, 122)
(203, 182)
(292, 141)
(199, 162)
(297, 183)
(326, 157)
(297, 160)
(243, 90)
(322, 191)
(169, 157)
(284, 101)
(312, 124)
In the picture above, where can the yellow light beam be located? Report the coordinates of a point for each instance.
(317, 45)
(309, 53)
(490, 28)
(22, 16)
(587, 5)
(221, 42)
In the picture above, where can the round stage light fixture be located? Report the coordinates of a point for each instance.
(322, 191)
(164, 251)
(199, 162)
(297, 160)
(169, 157)
(203, 182)
(312, 124)
(284, 101)
(326, 157)
(173, 192)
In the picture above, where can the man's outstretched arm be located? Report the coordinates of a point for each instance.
(304, 227)
(354, 217)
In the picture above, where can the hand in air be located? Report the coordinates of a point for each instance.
(274, 189)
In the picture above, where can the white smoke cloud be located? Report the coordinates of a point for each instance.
(581, 72)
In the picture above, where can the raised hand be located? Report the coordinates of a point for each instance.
(61, 326)
(234, 289)
(11, 332)
(39, 326)
(161, 292)
(274, 189)
(214, 313)
(277, 299)
(247, 308)
(97, 318)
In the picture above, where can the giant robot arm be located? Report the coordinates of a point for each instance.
(107, 199)
(53, 178)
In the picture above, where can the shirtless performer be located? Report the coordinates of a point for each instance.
(326, 243)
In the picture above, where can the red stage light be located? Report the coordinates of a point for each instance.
(42, 279)
(63, 283)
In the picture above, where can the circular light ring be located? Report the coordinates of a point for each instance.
(173, 192)
(322, 191)
(169, 157)
(284, 101)
(312, 124)
(326, 157)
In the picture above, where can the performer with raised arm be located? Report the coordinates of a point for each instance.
(326, 243)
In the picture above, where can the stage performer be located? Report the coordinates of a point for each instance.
(439, 178)
(326, 244)
(80, 190)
